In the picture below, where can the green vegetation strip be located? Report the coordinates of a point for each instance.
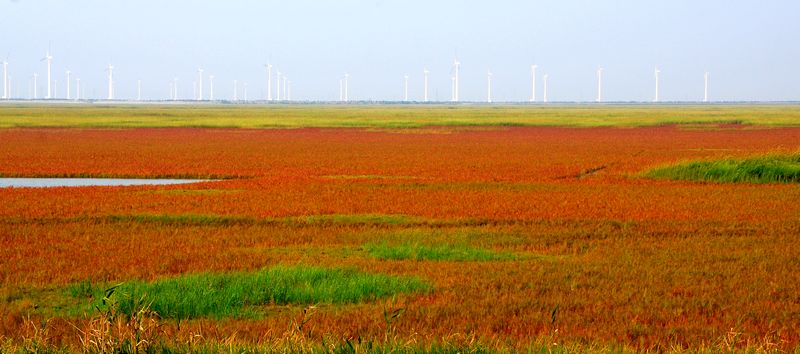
(763, 169)
(236, 294)
(391, 116)
(459, 253)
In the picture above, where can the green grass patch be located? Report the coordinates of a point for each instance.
(239, 294)
(772, 168)
(417, 252)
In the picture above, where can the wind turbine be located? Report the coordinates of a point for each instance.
(533, 82)
(456, 67)
(545, 87)
(285, 79)
(453, 88)
(278, 86)
(211, 87)
(405, 88)
(269, 81)
(657, 73)
(68, 93)
(35, 83)
(489, 87)
(110, 82)
(705, 90)
(425, 72)
(200, 84)
(138, 90)
(49, 59)
(6, 85)
(599, 84)
(346, 82)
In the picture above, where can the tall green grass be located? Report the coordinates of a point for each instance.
(459, 253)
(772, 168)
(220, 295)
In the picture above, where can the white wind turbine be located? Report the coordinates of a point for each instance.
(68, 88)
(405, 88)
(211, 87)
(200, 84)
(278, 86)
(545, 87)
(657, 74)
(705, 88)
(35, 83)
(49, 59)
(599, 84)
(456, 68)
(453, 88)
(425, 72)
(110, 82)
(533, 82)
(269, 81)
(346, 88)
(489, 87)
(6, 85)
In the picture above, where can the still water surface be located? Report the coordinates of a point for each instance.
(84, 182)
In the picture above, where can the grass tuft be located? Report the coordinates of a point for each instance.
(221, 295)
(773, 168)
(458, 253)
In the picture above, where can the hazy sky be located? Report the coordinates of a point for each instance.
(751, 48)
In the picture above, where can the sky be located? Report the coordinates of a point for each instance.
(750, 48)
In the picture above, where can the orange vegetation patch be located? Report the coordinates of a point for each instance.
(625, 260)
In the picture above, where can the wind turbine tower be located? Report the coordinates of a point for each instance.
(285, 80)
(489, 87)
(405, 88)
(346, 88)
(200, 84)
(68, 93)
(110, 82)
(49, 59)
(269, 81)
(599, 85)
(456, 67)
(35, 84)
(705, 89)
(278, 86)
(425, 72)
(6, 86)
(533, 82)
(545, 87)
(657, 73)
(211, 87)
